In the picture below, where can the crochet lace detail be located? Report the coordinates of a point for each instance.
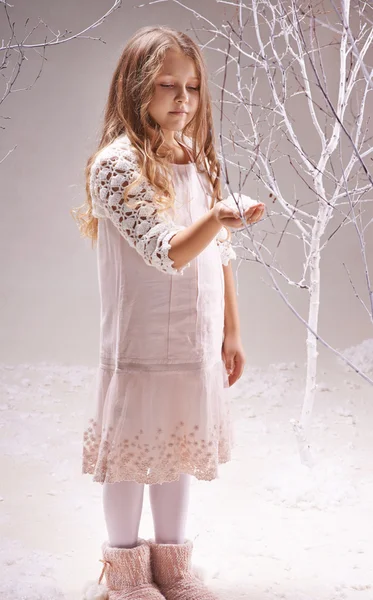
(225, 247)
(143, 227)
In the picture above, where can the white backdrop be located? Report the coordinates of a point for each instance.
(49, 292)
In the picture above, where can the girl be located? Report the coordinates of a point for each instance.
(170, 343)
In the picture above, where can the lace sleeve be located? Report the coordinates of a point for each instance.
(225, 247)
(142, 226)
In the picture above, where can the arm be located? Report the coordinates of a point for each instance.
(190, 242)
(231, 317)
(161, 243)
(232, 349)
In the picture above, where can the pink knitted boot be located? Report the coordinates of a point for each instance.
(128, 575)
(173, 572)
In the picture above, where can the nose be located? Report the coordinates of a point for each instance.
(181, 95)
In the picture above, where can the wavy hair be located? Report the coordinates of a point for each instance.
(131, 91)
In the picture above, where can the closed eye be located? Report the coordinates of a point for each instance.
(170, 85)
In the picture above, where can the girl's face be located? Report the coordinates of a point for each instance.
(176, 89)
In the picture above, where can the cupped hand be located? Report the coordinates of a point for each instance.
(231, 218)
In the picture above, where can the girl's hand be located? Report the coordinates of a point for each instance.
(230, 218)
(233, 356)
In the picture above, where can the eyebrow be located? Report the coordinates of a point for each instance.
(170, 75)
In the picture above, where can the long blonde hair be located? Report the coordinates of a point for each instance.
(131, 91)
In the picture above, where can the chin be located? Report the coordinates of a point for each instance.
(173, 128)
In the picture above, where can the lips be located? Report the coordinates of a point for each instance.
(178, 112)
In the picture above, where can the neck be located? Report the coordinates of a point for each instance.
(169, 137)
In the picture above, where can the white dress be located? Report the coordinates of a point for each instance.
(160, 401)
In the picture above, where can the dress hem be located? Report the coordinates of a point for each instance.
(199, 476)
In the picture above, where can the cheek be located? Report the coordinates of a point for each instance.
(195, 104)
(158, 99)
(153, 107)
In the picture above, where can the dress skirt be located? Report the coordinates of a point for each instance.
(150, 426)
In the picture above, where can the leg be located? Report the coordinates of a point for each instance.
(169, 503)
(122, 509)
(171, 553)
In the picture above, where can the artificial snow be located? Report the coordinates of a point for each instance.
(268, 528)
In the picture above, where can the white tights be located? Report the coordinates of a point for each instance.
(123, 507)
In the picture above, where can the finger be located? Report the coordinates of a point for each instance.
(250, 210)
(257, 216)
(232, 379)
(255, 207)
(234, 374)
(251, 214)
(230, 365)
(258, 208)
(238, 370)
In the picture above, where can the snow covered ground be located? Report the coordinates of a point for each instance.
(267, 528)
